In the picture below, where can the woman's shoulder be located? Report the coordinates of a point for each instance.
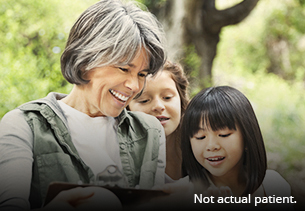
(50, 100)
(13, 125)
(143, 119)
(14, 115)
(275, 184)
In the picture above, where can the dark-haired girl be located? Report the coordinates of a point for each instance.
(222, 146)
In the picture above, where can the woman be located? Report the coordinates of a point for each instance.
(165, 97)
(111, 49)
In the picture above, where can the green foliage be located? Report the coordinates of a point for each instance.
(191, 66)
(153, 5)
(191, 61)
(301, 2)
(279, 41)
(243, 61)
(33, 34)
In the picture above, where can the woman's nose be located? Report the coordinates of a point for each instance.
(132, 83)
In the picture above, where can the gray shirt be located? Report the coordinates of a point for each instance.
(16, 158)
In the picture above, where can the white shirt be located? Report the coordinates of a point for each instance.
(94, 138)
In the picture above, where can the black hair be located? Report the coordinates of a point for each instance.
(224, 107)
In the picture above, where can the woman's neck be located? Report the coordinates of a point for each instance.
(77, 100)
(173, 157)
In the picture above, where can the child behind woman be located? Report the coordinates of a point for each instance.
(222, 145)
(165, 96)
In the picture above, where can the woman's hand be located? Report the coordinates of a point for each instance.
(68, 199)
(177, 187)
(88, 198)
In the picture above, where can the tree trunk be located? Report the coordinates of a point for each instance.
(199, 23)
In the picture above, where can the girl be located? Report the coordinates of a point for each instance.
(165, 97)
(222, 145)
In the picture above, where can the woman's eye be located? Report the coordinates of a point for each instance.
(200, 138)
(123, 69)
(224, 135)
(142, 75)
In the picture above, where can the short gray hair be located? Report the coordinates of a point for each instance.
(110, 33)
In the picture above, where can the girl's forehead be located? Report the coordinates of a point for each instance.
(163, 74)
(161, 82)
(205, 125)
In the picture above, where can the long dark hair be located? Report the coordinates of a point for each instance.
(222, 107)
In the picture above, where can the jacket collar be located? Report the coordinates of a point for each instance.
(51, 100)
(124, 116)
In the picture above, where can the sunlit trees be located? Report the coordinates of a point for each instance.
(195, 26)
(33, 35)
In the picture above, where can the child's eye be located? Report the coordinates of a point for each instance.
(224, 135)
(200, 138)
(167, 98)
(143, 101)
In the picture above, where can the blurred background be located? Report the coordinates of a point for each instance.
(256, 46)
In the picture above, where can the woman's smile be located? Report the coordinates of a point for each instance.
(121, 97)
(110, 88)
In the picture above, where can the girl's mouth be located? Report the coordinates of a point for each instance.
(119, 96)
(215, 159)
(162, 118)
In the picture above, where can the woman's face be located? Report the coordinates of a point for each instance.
(111, 88)
(161, 99)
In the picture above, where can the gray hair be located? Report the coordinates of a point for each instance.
(112, 33)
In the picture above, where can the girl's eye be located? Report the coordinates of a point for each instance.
(167, 98)
(200, 138)
(143, 101)
(225, 135)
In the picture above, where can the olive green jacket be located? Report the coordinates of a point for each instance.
(56, 158)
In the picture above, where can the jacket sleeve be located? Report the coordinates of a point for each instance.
(160, 173)
(16, 158)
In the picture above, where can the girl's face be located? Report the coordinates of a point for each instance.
(160, 99)
(219, 152)
(111, 88)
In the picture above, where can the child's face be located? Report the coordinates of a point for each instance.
(161, 99)
(220, 152)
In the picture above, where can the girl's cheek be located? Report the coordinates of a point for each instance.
(196, 150)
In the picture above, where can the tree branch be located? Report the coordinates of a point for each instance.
(237, 13)
(216, 19)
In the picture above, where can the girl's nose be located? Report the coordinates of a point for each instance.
(158, 106)
(212, 144)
